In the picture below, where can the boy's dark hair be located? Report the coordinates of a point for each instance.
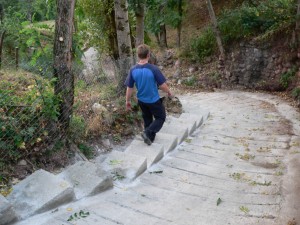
(143, 51)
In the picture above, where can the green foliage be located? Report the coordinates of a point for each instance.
(286, 77)
(253, 19)
(191, 81)
(204, 45)
(26, 115)
(77, 216)
(77, 128)
(161, 12)
(86, 150)
(16, 12)
(94, 22)
(296, 93)
(260, 19)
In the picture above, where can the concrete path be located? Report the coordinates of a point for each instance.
(242, 166)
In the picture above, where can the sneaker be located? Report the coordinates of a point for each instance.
(146, 139)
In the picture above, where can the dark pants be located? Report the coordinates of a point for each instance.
(150, 110)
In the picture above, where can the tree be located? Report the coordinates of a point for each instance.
(64, 85)
(1, 46)
(180, 13)
(124, 41)
(298, 21)
(139, 11)
(161, 13)
(215, 28)
(96, 21)
(1, 14)
(173, 14)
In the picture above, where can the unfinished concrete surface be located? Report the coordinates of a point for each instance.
(241, 167)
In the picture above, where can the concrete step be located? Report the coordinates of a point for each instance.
(39, 192)
(190, 123)
(192, 117)
(153, 153)
(195, 109)
(169, 141)
(176, 128)
(124, 166)
(87, 179)
(7, 213)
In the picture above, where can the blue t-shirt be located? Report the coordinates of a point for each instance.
(146, 78)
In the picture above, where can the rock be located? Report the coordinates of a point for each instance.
(95, 65)
(168, 54)
(177, 74)
(106, 143)
(22, 163)
(179, 82)
(177, 63)
(193, 69)
(100, 110)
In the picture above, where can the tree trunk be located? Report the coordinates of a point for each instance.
(1, 46)
(140, 14)
(215, 28)
(297, 29)
(124, 42)
(180, 12)
(157, 39)
(64, 85)
(1, 13)
(29, 11)
(163, 36)
(112, 35)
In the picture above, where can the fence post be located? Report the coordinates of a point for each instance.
(17, 58)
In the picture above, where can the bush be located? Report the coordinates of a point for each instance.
(256, 19)
(252, 19)
(286, 77)
(26, 114)
(296, 93)
(204, 45)
(77, 128)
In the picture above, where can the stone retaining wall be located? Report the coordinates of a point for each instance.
(259, 66)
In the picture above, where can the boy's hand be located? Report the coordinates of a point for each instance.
(128, 106)
(170, 95)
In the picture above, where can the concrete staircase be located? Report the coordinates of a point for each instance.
(43, 191)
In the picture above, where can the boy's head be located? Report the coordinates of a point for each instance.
(143, 51)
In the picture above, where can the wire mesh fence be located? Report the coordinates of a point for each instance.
(30, 114)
